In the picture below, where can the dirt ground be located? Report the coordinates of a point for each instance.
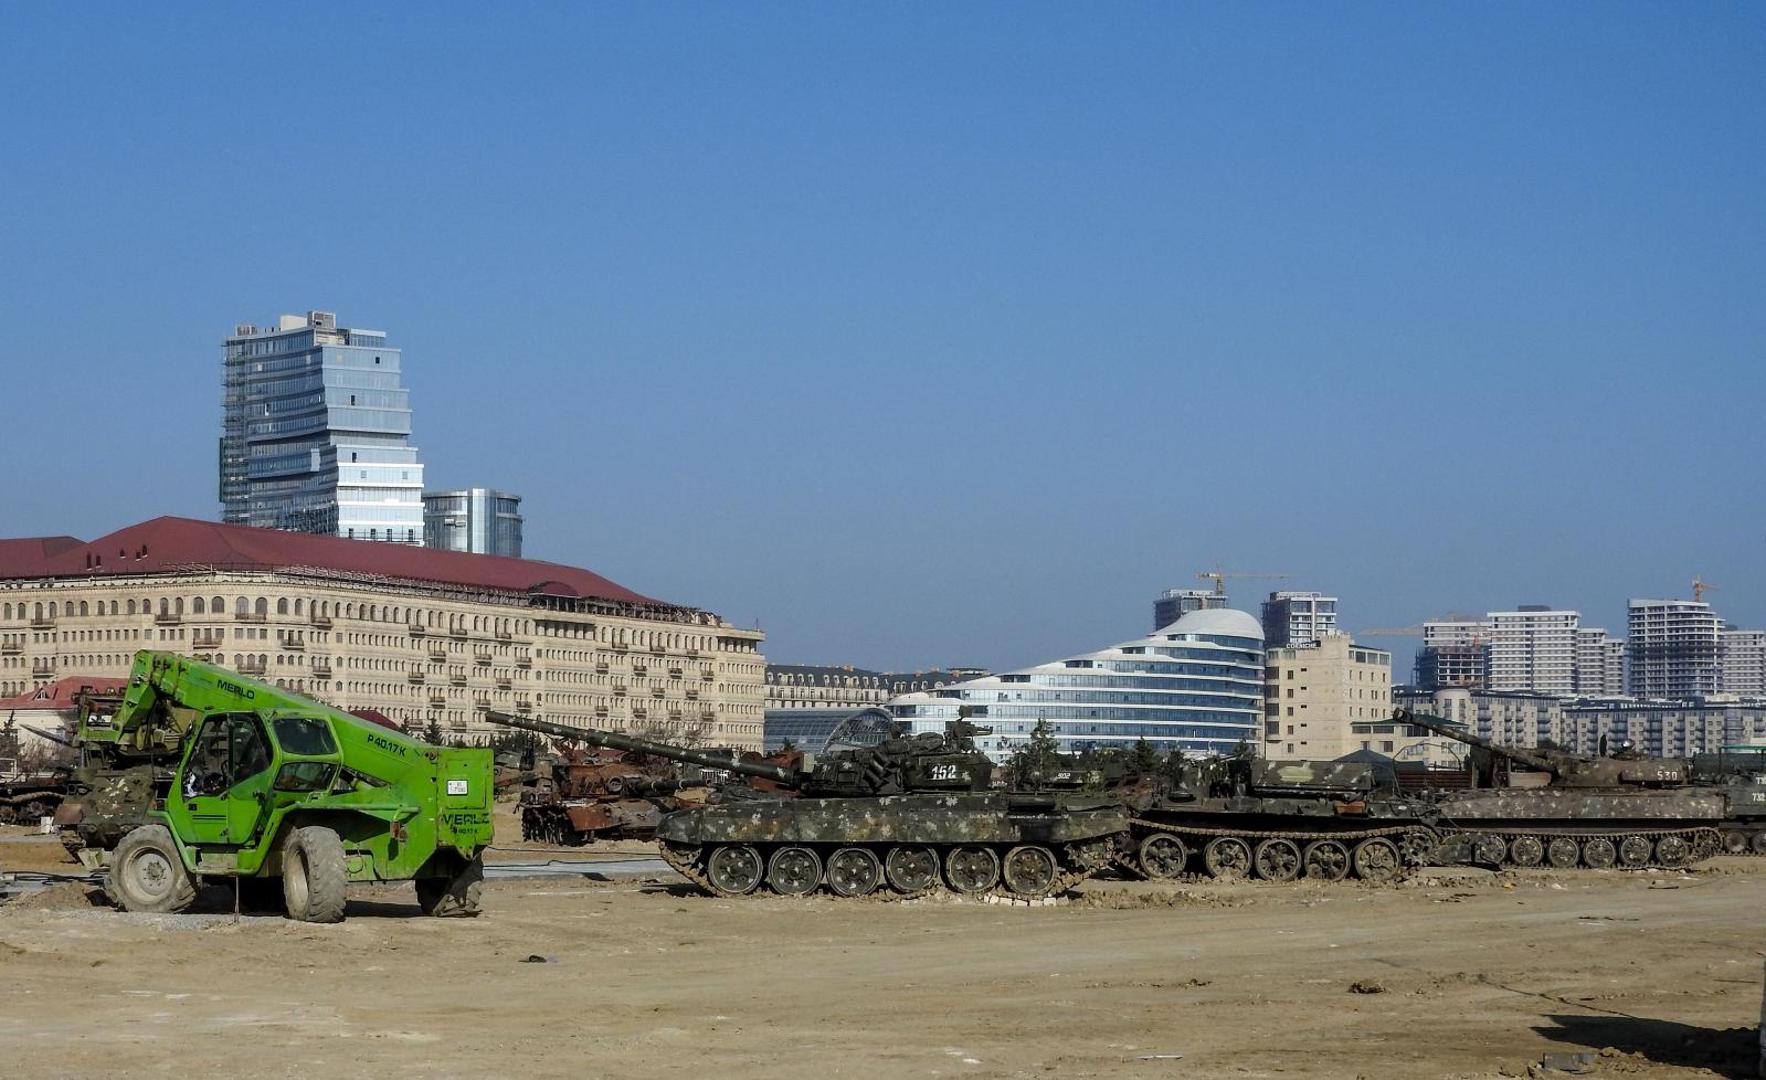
(1465, 976)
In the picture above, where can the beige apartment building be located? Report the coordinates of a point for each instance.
(1314, 695)
(419, 635)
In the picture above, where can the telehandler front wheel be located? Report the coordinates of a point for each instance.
(147, 874)
(313, 875)
(457, 895)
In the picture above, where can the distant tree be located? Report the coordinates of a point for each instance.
(1038, 758)
(1172, 767)
(1143, 760)
(433, 733)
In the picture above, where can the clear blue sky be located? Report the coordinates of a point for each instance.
(937, 334)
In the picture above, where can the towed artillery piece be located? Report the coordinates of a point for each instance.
(1546, 807)
(1244, 816)
(912, 814)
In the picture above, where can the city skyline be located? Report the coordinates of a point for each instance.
(920, 349)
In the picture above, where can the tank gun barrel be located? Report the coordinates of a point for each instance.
(1459, 734)
(41, 734)
(711, 759)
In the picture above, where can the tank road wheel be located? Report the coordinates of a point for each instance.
(1418, 846)
(313, 875)
(1562, 853)
(1162, 856)
(911, 870)
(1673, 851)
(147, 874)
(854, 871)
(972, 869)
(458, 895)
(1377, 860)
(1489, 850)
(1227, 857)
(794, 871)
(1325, 860)
(1599, 852)
(1758, 843)
(734, 870)
(1634, 851)
(1277, 860)
(1735, 842)
(1029, 870)
(1526, 851)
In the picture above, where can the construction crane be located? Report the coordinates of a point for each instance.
(1699, 585)
(1219, 578)
(1417, 631)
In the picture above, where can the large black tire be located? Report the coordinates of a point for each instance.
(455, 896)
(147, 874)
(314, 875)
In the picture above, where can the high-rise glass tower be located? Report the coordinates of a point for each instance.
(315, 432)
(478, 520)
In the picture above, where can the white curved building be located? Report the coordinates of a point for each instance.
(1196, 685)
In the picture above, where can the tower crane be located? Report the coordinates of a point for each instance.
(1218, 577)
(1699, 585)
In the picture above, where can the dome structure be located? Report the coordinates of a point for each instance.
(1195, 685)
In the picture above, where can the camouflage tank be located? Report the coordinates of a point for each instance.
(912, 814)
(1243, 816)
(1543, 807)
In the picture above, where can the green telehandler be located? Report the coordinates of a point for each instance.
(196, 773)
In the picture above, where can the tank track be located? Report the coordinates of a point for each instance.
(1702, 843)
(1078, 862)
(548, 824)
(1752, 841)
(1415, 843)
(12, 805)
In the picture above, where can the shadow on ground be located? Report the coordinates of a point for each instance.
(1730, 1052)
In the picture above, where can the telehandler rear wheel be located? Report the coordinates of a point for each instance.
(146, 873)
(458, 895)
(313, 875)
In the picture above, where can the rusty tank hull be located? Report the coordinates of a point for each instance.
(1021, 845)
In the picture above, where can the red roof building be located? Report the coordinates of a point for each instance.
(417, 634)
(62, 695)
(173, 544)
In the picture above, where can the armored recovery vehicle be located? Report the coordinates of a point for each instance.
(198, 774)
(1542, 807)
(1245, 816)
(912, 814)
